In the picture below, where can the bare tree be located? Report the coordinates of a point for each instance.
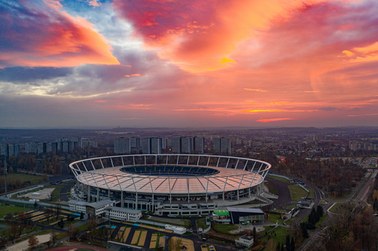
(33, 241)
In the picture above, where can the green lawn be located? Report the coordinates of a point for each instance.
(296, 192)
(173, 221)
(20, 180)
(311, 193)
(277, 235)
(55, 195)
(280, 179)
(22, 177)
(6, 209)
(201, 223)
(272, 189)
(321, 220)
(224, 228)
(337, 208)
(274, 217)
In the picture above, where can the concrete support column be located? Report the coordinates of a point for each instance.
(153, 203)
(88, 194)
(122, 201)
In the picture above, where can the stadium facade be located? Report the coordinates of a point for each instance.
(170, 184)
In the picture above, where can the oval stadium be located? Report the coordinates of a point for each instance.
(170, 184)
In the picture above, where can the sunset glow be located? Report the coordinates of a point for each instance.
(188, 63)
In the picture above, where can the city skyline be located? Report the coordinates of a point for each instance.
(106, 64)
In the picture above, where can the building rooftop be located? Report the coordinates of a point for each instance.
(96, 205)
(245, 210)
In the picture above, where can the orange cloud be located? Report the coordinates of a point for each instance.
(368, 53)
(264, 110)
(133, 75)
(200, 35)
(46, 35)
(273, 120)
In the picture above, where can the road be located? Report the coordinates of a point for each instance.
(360, 194)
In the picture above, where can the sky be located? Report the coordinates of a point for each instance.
(188, 63)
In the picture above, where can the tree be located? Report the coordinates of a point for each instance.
(22, 218)
(278, 247)
(254, 234)
(72, 232)
(287, 243)
(319, 211)
(53, 238)
(304, 230)
(61, 223)
(33, 241)
(57, 212)
(292, 244)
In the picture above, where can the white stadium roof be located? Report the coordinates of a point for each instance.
(243, 173)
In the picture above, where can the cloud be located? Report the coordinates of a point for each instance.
(254, 64)
(201, 35)
(363, 54)
(94, 3)
(41, 33)
(133, 75)
(254, 90)
(270, 120)
(28, 74)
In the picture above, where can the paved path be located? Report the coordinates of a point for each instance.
(283, 193)
(24, 245)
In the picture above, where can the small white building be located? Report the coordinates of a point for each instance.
(176, 229)
(123, 214)
(93, 208)
(105, 208)
(244, 241)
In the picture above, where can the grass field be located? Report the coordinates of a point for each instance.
(296, 192)
(173, 221)
(22, 177)
(275, 236)
(55, 195)
(337, 208)
(274, 217)
(224, 228)
(279, 178)
(201, 223)
(19, 180)
(311, 194)
(6, 209)
(272, 189)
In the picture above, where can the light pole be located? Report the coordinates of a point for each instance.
(5, 176)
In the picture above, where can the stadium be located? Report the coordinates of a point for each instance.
(171, 184)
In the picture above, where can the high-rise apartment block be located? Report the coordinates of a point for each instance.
(186, 144)
(145, 144)
(156, 145)
(199, 144)
(222, 145)
(121, 145)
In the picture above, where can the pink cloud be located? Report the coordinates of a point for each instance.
(43, 34)
(94, 3)
(200, 35)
